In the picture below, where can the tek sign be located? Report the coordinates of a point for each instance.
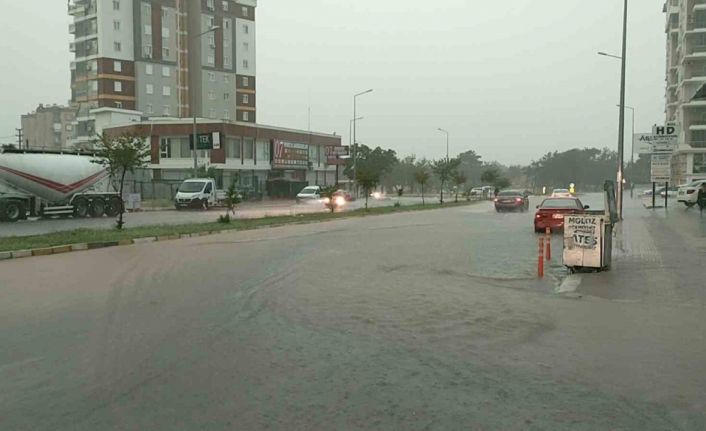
(206, 141)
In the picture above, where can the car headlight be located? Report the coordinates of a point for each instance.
(340, 201)
(327, 201)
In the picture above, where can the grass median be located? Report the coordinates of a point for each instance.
(101, 235)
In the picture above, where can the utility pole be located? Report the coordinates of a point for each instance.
(621, 125)
(19, 138)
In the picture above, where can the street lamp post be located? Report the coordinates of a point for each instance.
(632, 145)
(446, 132)
(350, 134)
(621, 122)
(355, 144)
(193, 110)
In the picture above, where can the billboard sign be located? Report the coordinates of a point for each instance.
(661, 170)
(289, 155)
(337, 155)
(206, 141)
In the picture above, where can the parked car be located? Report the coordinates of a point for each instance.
(561, 193)
(688, 193)
(661, 192)
(309, 193)
(551, 212)
(511, 200)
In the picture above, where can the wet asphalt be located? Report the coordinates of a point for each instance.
(420, 321)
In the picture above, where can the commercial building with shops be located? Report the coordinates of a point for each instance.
(272, 161)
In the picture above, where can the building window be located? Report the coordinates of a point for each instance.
(93, 85)
(149, 89)
(166, 110)
(210, 59)
(246, 99)
(212, 113)
(166, 91)
(165, 52)
(148, 69)
(248, 148)
(147, 51)
(211, 22)
(246, 29)
(147, 9)
(244, 10)
(226, 114)
(226, 60)
(211, 76)
(165, 32)
(246, 116)
(117, 47)
(246, 46)
(211, 95)
(148, 30)
(700, 163)
(245, 64)
(116, 25)
(150, 108)
(226, 96)
(165, 71)
(225, 5)
(118, 86)
(117, 66)
(233, 148)
(119, 105)
(116, 4)
(210, 4)
(165, 149)
(226, 24)
(246, 81)
(212, 41)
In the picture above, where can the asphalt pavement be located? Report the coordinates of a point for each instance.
(170, 216)
(419, 321)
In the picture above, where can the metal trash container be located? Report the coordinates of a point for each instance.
(587, 242)
(588, 237)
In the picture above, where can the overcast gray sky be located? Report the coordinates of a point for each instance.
(510, 80)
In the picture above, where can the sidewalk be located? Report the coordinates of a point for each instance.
(658, 256)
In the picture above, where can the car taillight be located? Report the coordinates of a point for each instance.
(558, 216)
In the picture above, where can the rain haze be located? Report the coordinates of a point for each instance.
(511, 81)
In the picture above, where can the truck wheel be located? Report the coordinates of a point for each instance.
(113, 206)
(12, 211)
(80, 207)
(97, 207)
(205, 205)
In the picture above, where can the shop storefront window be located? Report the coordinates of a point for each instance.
(263, 152)
(248, 148)
(233, 148)
(174, 148)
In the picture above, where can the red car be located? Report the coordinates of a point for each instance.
(551, 212)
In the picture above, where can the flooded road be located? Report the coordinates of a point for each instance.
(418, 321)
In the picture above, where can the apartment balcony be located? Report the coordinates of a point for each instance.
(699, 5)
(77, 9)
(697, 144)
(72, 47)
(72, 28)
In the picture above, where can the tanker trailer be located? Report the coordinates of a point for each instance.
(44, 183)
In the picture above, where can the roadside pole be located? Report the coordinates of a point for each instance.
(654, 191)
(666, 194)
(540, 258)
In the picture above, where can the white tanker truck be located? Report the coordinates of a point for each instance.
(41, 183)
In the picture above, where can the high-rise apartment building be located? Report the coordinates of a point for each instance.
(158, 57)
(686, 85)
(48, 127)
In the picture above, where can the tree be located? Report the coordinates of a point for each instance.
(377, 162)
(459, 179)
(367, 177)
(120, 155)
(421, 177)
(493, 176)
(444, 169)
(232, 199)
